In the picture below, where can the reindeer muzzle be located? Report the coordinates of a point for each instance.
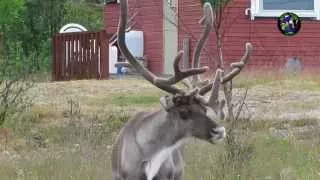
(218, 134)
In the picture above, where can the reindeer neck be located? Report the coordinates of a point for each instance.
(159, 129)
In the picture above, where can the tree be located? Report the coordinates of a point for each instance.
(14, 85)
(218, 7)
(31, 28)
(84, 14)
(236, 150)
(9, 12)
(218, 11)
(42, 19)
(30, 25)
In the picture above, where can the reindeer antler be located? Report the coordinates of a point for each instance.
(214, 86)
(237, 66)
(196, 87)
(165, 84)
(236, 69)
(207, 21)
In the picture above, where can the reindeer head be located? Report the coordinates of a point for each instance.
(196, 113)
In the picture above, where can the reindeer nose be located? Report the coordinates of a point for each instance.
(220, 131)
(218, 134)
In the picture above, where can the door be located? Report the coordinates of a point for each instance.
(170, 34)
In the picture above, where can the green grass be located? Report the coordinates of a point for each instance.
(273, 155)
(270, 157)
(62, 159)
(67, 165)
(79, 145)
(142, 99)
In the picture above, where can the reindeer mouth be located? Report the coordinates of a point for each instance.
(217, 134)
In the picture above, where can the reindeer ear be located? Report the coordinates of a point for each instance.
(166, 102)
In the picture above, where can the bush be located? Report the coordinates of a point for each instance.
(14, 84)
(31, 25)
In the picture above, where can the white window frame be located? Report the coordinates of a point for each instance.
(257, 10)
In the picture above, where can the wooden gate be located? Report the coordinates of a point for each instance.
(81, 55)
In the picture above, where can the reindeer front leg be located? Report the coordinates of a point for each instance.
(178, 163)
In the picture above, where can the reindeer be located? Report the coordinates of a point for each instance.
(150, 145)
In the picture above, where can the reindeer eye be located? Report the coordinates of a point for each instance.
(203, 108)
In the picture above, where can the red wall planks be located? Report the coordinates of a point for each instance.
(271, 48)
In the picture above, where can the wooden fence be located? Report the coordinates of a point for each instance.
(81, 55)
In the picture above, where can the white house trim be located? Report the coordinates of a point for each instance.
(256, 10)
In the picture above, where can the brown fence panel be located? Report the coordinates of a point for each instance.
(54, 57)
(82, 55)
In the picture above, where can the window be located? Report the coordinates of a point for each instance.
(274, 8)
(111, 1)
(288, 4)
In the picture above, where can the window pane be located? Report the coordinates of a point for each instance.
(288, 4)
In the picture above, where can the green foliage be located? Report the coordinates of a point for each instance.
(9, 11)
(30, 24)
(136, 99)
(82, 13)
(9, 14)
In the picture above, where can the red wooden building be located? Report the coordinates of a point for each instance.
(244, 20)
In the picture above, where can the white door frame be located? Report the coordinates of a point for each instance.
(170, 35)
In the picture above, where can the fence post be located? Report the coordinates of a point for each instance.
(104, 54)
(54, 58)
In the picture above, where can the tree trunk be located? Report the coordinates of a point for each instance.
(186, 54)
(1, 47)
(227, 90)
(2, 42)
(220, 63)
(227, 87)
